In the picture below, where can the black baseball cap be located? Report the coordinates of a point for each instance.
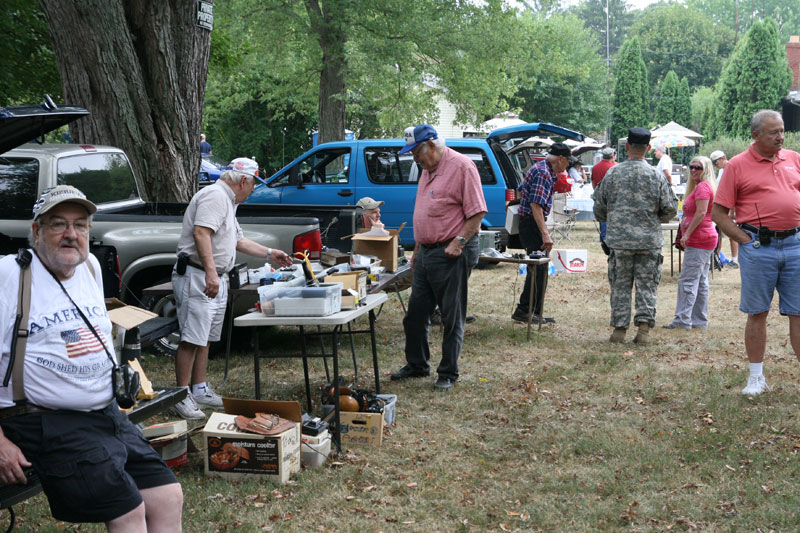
(562, 149)
(639, 136)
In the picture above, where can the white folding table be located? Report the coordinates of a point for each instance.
(336, 321)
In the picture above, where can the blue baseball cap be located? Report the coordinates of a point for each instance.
(418, 134)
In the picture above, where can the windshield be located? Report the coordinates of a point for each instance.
(214, 161)
(102, 177)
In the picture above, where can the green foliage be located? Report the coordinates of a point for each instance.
(741, 14)
(731, 146)
(686, 41)
(562, 77)
(666, 110)
(401, 58)
(683, 105)
(27, 61)
(702, 102)
(631, 92)
(756, 77)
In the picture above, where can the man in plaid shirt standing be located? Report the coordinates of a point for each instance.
(536, 200)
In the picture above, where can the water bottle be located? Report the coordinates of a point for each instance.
(523, 269)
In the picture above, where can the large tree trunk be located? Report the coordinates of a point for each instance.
(329, 23)
(140, 67)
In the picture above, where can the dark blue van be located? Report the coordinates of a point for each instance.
(339, 173)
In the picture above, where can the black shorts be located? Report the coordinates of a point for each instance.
(91, 465)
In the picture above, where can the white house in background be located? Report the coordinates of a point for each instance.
(446, 124)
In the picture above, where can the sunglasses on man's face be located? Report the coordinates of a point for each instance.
(695, 167)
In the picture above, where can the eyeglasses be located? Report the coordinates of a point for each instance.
(59, 226)
(695, 167)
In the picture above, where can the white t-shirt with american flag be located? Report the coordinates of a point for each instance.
(66, 367)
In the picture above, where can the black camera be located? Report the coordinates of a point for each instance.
(126, 384)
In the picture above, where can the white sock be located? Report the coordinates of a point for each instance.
(199, 389)
(734, 259)
(756, 369)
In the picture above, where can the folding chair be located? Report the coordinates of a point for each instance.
(561, 219)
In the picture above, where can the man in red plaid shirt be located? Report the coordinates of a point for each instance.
(536, 200)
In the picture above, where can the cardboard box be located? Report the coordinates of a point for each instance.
(385, 247)
(330, 258)
(124, 317)
(235, 454)
(356, 280)
(570, 261)
(361, 428)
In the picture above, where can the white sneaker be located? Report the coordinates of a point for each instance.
(209, 399)
(756, 385)
(187, 409)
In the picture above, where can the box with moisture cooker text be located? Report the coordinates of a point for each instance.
(235, 454)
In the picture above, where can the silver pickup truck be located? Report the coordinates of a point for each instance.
(135, 240)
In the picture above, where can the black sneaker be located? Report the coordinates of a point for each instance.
(409, 371)
(470, 319)
(444, 383)
(521, 316)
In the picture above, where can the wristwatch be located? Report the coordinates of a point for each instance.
(461, 240)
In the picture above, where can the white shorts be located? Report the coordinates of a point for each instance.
(200, 317)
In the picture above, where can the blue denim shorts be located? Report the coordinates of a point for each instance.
(92, 465)
(767, 268)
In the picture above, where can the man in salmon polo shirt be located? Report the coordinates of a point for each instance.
(762, 185)
(447, 217)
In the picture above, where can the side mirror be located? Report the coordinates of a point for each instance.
(294, 177)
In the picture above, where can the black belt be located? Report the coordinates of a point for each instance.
(778, 234)
(201, 267)
(22, 408)
(434, 245)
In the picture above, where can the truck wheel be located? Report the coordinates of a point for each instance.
(164, 306)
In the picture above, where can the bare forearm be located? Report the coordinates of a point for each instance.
(472, 226)
(722, 218)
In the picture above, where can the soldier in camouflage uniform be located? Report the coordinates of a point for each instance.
(634, 199)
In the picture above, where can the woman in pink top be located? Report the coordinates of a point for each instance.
(699, 241)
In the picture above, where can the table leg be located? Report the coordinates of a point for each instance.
(544, 292)
(337, 423)
(256, 372)
(374, 352)
(231, 301)
(530, 300)
(671, 264)
(399, 297)
(305, 366)
(353, 351)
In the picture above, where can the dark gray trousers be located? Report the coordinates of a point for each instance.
(439, 280)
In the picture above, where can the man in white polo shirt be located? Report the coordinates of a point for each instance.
(207, 248)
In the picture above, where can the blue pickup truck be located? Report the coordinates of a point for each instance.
(339, 173)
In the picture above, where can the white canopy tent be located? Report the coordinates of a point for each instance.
(677, 129)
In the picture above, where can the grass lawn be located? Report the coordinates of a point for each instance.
(566, 432)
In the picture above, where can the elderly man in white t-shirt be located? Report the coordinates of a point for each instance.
(59, 414)
(664, 161)
(207, 248)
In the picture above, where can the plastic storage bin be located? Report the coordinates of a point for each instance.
(389, 408)
(301, 301)
(314, 454)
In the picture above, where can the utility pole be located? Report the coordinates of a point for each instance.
(608, 89)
